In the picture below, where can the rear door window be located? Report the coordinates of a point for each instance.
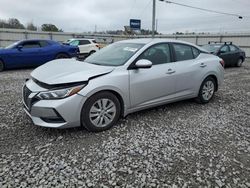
(183, 52)
(224, 49)
(43, 43)
(84, 42)
(233, 48)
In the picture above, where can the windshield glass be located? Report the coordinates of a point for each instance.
(115, 54)
(12, 45)
(211, 47)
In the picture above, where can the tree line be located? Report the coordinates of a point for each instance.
(14, 23)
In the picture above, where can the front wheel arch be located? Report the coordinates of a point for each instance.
(90, 101)
(1, 61)
(64, 54)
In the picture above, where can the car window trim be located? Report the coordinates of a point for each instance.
(32, 41)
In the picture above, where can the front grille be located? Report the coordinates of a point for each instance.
(26, 94)
(28, 101)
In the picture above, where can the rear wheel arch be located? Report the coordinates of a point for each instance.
(92, 51)
(206, 93)
(215, 79)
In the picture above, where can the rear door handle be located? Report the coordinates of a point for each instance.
(170, 71)
(203, 65)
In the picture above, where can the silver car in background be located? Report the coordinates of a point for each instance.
(122, 78)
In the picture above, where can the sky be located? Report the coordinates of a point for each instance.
(86, 15)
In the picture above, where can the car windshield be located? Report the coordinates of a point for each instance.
(115, 54)
(12, 45)
(211, 47)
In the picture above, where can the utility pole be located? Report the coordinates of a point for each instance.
(153, 20)
(156, 25)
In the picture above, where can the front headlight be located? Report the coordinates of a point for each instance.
(60, 93)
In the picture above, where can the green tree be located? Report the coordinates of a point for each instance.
(50, 27)
(15, 24)
(3, 24)
(31, 26)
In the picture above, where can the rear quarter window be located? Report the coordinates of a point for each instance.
(84, 42)
(43, 43)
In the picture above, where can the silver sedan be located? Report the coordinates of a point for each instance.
(120, 79)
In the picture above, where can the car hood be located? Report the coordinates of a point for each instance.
(63, 71)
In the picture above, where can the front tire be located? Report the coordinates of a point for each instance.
(206, 91)
(1, 66)
(62, 56)
(100, 112)
(239, 63)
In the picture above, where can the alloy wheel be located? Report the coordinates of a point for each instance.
(208, 90)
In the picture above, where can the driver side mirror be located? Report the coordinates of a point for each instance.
(143, 64)
(19, 47)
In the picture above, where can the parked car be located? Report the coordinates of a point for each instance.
(230, 53)
(31, 53)
(122, 78)
(86, 46)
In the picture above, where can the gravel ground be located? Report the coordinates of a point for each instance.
(177, 145)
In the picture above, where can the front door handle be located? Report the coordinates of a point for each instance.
(170, 71)
(203, 65)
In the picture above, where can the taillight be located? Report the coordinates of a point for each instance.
(97, 45)
(222, 63)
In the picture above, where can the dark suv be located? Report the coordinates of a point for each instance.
(230, 53)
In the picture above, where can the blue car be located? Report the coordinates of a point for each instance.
(32, 53)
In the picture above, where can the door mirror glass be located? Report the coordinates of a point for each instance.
(19, 47)
(143, 64)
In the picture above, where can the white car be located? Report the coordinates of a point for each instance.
(86, 46)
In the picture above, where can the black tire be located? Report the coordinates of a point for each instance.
(239, 62)
(92, 103)
(90, 53)
(202, 99)
(1, 66)
(62, 56)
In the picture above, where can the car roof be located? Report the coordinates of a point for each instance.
(158, 40)
(80, 39)
(27, 40)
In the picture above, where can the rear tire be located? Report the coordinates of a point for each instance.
(62, 56)
(239, 63)
(207, 90)
(90, 53)
(100, 112)
(1, 66)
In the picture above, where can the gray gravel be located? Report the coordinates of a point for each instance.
(177, 145)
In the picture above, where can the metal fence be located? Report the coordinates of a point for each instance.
(8, 36)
